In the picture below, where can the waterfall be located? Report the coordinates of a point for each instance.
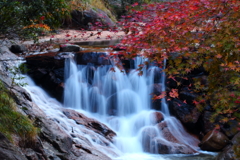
(164, 105)
(124, 102)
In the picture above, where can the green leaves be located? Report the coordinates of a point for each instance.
(13, 122)
(15, 15)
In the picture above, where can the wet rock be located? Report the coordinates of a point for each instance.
(156, 117)
(90, 124)
(187, 114)
(157, 90)
(168, 135)
(168, 143)
(148, 134)
(8, 151)
(96, 58)
(47, 60)
(214, 141)
(70, 48)
(18, 48)
(47, 70)
(60, 140)
(162, 146)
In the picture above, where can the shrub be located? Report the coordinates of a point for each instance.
(13, 122)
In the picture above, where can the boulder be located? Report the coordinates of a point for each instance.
(214, 141)
(162, 146)
(96, 58)
(18, 48)
(147, 136)
(168, 143)
(91, 19)
(168, 135)
(69, 48)
(187, 114)
(156, 117)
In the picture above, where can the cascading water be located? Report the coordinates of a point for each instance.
(123, 101)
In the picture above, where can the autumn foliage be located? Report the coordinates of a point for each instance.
(192, 34)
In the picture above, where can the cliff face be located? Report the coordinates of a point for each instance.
(54, 140)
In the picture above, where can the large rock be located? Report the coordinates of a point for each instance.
(187, 114)
(91, 19)
(158, 139)
(166, 134)
(148, 134)
(96, 58)
(163, 147)
(18, 48)
(91, 124)
(156, 117)
(70, 48)
(214, 141)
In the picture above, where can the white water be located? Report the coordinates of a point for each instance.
(120, 100)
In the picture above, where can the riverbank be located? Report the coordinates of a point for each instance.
(73, 36)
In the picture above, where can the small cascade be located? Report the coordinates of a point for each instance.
(124, 102)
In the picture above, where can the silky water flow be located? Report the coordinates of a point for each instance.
(124, 102)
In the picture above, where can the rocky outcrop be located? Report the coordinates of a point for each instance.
(90, 123)
(47, 70)
(8, 151)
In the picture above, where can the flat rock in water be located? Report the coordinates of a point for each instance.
(70, 48)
